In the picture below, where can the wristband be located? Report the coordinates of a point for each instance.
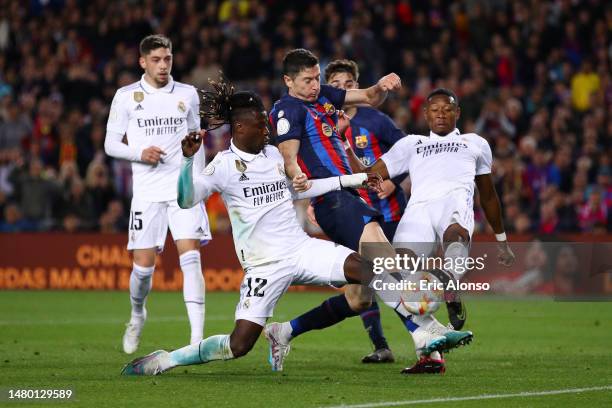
(352, 180)
(501, 237)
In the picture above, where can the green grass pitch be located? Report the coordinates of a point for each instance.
(73, 340)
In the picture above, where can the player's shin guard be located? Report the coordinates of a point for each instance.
(193, 293)
(372, 324)
(210, 349)
(141, 281)
(330, 312)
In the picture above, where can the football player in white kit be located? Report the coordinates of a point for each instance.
(154, 114)
(271, 245)
(443, 168)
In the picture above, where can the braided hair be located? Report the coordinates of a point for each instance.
(222, 105)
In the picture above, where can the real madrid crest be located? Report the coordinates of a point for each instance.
(181, 106)
(281, 169)
(361, 141)
(138, 96)
(327, 130)
(241, 166)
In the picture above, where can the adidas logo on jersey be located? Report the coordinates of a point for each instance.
(243, 177)
(139, 107)
(418, 143)
(200, 230)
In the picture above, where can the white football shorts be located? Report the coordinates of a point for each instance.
(423, 225)
(317, 262)
(149, 222)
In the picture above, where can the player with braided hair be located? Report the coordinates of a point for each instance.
(272, 247)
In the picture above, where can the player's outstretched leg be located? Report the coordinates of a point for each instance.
(141, 281)
(219, 347)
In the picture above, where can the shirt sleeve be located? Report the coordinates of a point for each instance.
(485, 160)
(318, 187)
(114, 147)
(397, 159)
(287, 122)
(193, 118)
(335, 95)
(194, 186)
(118, 116)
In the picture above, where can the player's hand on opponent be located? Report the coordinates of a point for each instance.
(301, 183)
(374, 182)
(387, 188)
(152, 155)
(505, 256)
(390, 82)
(192, 142)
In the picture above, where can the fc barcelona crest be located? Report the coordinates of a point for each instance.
(329, 108)
(138, 96)
(241, 166)
(361, 141)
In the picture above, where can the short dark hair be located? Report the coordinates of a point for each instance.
(297, 60)
(342, 65)
(446, 92)
(153, 42)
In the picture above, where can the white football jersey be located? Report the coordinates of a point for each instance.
(439, 165)
(156, 117)
(256, 193)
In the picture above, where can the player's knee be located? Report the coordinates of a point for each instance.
(358, 303)
(241, 347)
(456, 233)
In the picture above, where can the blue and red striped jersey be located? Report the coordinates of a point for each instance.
(321, 151)
(372, 133)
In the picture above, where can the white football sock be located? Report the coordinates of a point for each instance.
(458, 253)
(141, 281)
(210, 349)
(193, 293)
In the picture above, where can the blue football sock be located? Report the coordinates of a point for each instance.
(372, 324)
(330, 312)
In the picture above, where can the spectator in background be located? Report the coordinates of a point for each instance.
(584, 84)
(14, 222)
(533, 77)
(98, 187)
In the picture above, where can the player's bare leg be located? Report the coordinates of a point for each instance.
(193, 286)
(141, 281)
(219, 347)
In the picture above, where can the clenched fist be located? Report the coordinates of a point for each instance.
(390, 82)
(192, 142)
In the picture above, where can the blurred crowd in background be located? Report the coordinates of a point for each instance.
(533, 78)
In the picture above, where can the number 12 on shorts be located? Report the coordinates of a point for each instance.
(258, 289)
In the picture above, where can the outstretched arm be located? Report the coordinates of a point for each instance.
(374, 95)
(301, 187)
